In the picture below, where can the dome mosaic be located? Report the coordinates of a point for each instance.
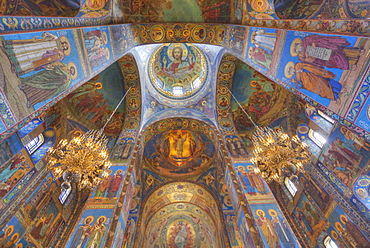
(178, 71)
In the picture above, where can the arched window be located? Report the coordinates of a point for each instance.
(329, 243)
(64, 194)
(34, 144)
(317, 138)
(324, 121)
(326, 117)
(290, 186)
(178, 91)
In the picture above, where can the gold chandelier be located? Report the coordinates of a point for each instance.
(276, 154)
(82, 160)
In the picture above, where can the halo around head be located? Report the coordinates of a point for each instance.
(338, 226)
(334, 234)
(107, 53)
(172, 46)
(101, 218)
(260, 212)
(91, 218)
(70, 65)
(9, 230)
(66, 52)
(287, 72)
(272, 212)
(343, 219)
(293, 45)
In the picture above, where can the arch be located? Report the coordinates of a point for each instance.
(34, 144)
(177, 208)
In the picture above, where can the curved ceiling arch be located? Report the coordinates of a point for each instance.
(178, 113)
(133, 100)
(179, 208)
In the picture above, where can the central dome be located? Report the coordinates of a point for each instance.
(178, 71)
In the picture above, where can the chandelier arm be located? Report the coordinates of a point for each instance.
(114, 111)
(250, 118)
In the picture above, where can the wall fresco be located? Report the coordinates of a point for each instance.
(223, 96)
(131, 78)
(361, 197)
(270, 220)
(108, 190)
(93, 224)
(49, 56)
(90, 230)
(230, 217)
(72, 56)
(363, 117)
(15, 175)
(343, 9)
(239, 233)
(299, 70)
(344, 226)
(41, 215)
(353, 154)
(309, 219)
(119, 39)
(12, 233)
(261, 98)
(9, 148)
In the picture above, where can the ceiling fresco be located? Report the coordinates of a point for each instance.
(266, 102)
(93, 103)
(186, 85)
(181, 225)
(181, 214)
(180, 11)
(178, 70)
(179, 148)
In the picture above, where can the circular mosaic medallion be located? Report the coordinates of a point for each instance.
(157, 33)
(178, 71)
(198, 33)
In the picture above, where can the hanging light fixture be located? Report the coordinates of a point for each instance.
(82, 160)
(276, 154)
